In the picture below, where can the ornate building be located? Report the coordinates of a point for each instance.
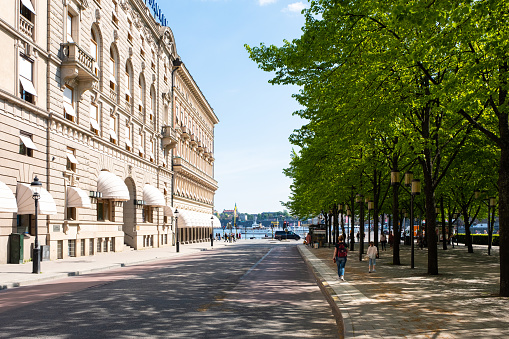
(97, 104)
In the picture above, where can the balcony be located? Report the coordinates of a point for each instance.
(201, 149)
(170, 138)
(193, 141)
(77, 68)
(26, 27)
(192, 172)
(184, 133)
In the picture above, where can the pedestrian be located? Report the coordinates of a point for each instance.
(391, 239)
(358, 236)
(372, 252)
(420, 240)
(383, 241)
(339, 257)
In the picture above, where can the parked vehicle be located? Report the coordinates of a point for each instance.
(280, 235)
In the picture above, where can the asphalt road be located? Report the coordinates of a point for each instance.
(244, 291)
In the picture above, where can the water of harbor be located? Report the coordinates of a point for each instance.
(267, 233)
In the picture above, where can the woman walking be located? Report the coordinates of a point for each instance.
(339, 257)
(372, 251)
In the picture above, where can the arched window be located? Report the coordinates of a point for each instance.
(141, 94)
(113, 69)
(128, 90)
(94, 51)
(151, 104)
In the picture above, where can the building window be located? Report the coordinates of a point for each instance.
(60, 249)
(141, 148)
(26, 145)
(103, 209)
(27, 18)
(68, 102)
(27, 89)
(140, 95)
(71, 159)
(25, 223)
(94, 52)
(128, 140)
(94, 118)
(112, 244)
(105, 244)
(99, 245)
(113, 129)
(147, 214)
(151, 150)
(128, 94)
(82, 248)
(71, 243)
(113, 82)
(68, 27)
(91, 247)
(153, 59)
(27, 10)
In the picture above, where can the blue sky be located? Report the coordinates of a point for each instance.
(251, 139)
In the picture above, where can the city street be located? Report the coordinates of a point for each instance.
(246, 290)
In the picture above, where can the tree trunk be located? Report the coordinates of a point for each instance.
(444, 238)
(503, 207)
(395, 226)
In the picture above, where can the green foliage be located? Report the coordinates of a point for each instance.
(481, 239)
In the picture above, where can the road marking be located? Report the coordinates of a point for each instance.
(253, 267)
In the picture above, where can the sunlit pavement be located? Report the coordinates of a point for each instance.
(394, 302)
(397, 301)
(16, 275)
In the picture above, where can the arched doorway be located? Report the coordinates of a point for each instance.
(129, 226)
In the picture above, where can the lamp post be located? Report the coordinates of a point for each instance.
(36, 186)
(370, 208)
(395, 216)
(211, 231)
(416, 190)
(177, 229)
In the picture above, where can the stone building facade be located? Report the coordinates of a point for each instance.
(97, 104)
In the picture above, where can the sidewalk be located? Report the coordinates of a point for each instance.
(396, 301)
(12, 275)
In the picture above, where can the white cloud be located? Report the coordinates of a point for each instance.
(296, 7)
(266, 2)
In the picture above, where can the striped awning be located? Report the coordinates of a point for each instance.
(112, 187)
(76, 197)
(152, 196)
(197, 219)
(26, 205)
(7, 199)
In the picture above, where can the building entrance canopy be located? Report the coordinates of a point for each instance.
(26, 204)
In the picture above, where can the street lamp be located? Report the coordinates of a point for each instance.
(177, 229)
(36, 186)
(212, 231)
(416, 190)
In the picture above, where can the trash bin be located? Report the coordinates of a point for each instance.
(44, 252)
(16, 248)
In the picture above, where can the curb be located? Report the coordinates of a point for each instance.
(328, 292)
